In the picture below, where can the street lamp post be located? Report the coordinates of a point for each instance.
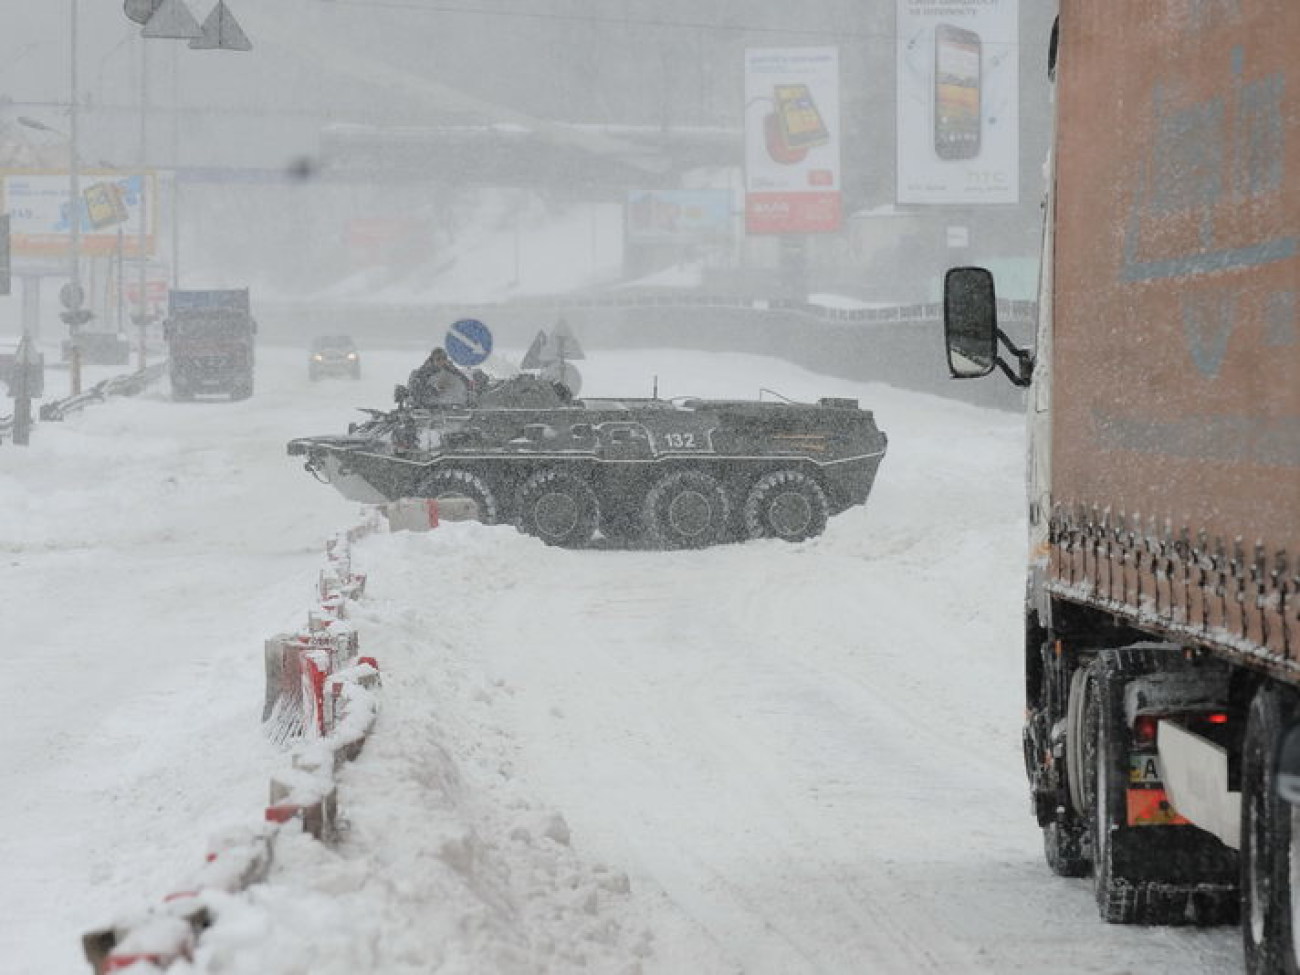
(142, 313)
(171, 19)
(74, 295)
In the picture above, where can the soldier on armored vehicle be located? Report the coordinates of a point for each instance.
(436, 382)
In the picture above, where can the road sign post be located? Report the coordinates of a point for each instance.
(25, 382)
(5, 262)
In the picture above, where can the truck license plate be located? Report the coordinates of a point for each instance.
(1148, 803)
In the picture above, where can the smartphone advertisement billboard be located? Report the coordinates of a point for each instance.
(110, 210)
(958, 101)
(792, 140)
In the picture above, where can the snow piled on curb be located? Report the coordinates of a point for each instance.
(444, 862)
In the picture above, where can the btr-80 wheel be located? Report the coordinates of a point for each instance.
(686, 509)
(454, 483)
(559, 508)
(788, 505)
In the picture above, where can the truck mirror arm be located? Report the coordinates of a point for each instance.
(1024, 371)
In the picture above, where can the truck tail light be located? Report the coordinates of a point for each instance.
(1144, 729)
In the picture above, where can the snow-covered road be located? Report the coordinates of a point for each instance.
(757, 758)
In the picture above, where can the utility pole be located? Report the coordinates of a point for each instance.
(176, 173)
(75, 316)
(142, 315)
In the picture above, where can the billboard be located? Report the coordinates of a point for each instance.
(958, 101)
(792, 140)
(677, 216)
(111, 201)
(156, 286)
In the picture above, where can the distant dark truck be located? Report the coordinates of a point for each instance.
(209, 338)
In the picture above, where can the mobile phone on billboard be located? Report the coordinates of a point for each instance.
(801, 124)
(957, 58)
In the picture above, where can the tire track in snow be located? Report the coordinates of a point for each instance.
(821, 926)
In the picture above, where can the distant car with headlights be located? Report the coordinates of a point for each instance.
(333, 355)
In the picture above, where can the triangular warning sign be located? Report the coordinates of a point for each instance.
(538, 354)
(172, 19)
(564, 344)
(222, 31)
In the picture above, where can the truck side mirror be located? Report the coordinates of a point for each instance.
(970, 322)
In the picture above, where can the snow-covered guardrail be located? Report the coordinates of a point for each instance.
(321, 702)
(1008, 310)
(129, 384)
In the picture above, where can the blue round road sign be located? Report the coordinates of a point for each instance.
(469, 342)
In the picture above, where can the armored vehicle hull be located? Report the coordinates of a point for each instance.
(683, 473)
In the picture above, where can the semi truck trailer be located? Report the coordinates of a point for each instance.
(1162, 641)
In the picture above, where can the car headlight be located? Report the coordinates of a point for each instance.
(352, 355)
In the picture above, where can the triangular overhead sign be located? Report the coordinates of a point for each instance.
(172, 19)
(559, 346)
(222, 31)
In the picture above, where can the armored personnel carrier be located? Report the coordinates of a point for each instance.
(679, 473)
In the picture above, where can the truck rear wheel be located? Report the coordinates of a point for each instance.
(1118, 900)
(789, 505)
(455, 483)
(1143, 874)
(559, 508)
(1268, 854)
(686, 509)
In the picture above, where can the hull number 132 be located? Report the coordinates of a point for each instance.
(681, 441)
